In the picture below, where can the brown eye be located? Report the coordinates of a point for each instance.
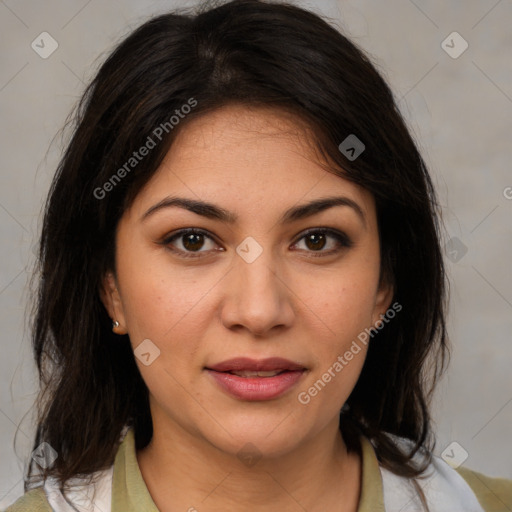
(318, 239)
(193, 241)
(315, 241)
(189, 241)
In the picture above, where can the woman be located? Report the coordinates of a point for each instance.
(242, 298)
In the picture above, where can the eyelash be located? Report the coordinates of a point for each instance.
(343, 240)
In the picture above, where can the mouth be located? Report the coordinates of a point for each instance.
(249, 373)
(243, 366)
(251, 380)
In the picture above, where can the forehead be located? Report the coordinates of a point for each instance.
(234, 123)
(248, 158)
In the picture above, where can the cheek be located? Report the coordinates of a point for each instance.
(170, 312)
(345, 317)
(343, 300)
(158, 299)
(340, 307)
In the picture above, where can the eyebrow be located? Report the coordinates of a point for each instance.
(212, 211)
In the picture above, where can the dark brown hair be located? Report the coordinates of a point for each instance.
(253, 53)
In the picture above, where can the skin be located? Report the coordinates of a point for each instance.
(294, 301)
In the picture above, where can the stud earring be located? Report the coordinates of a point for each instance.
(115, 327)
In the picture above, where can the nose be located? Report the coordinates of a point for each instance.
(257, 298)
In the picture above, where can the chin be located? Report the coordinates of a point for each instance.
(269, 437)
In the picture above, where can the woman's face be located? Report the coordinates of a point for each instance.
(252, 282)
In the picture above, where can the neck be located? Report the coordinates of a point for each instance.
(186, 472)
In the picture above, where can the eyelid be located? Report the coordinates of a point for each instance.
(321, 229)
(166, 241)
(344, 240)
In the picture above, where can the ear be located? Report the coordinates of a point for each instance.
(383, 299)
(111, 299)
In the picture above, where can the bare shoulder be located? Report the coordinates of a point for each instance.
(32, 501)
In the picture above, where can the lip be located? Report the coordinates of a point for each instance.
(256, 388)
(246, 363)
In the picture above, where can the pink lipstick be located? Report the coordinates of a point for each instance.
(251, 379)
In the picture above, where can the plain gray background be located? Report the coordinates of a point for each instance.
(459, 110)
